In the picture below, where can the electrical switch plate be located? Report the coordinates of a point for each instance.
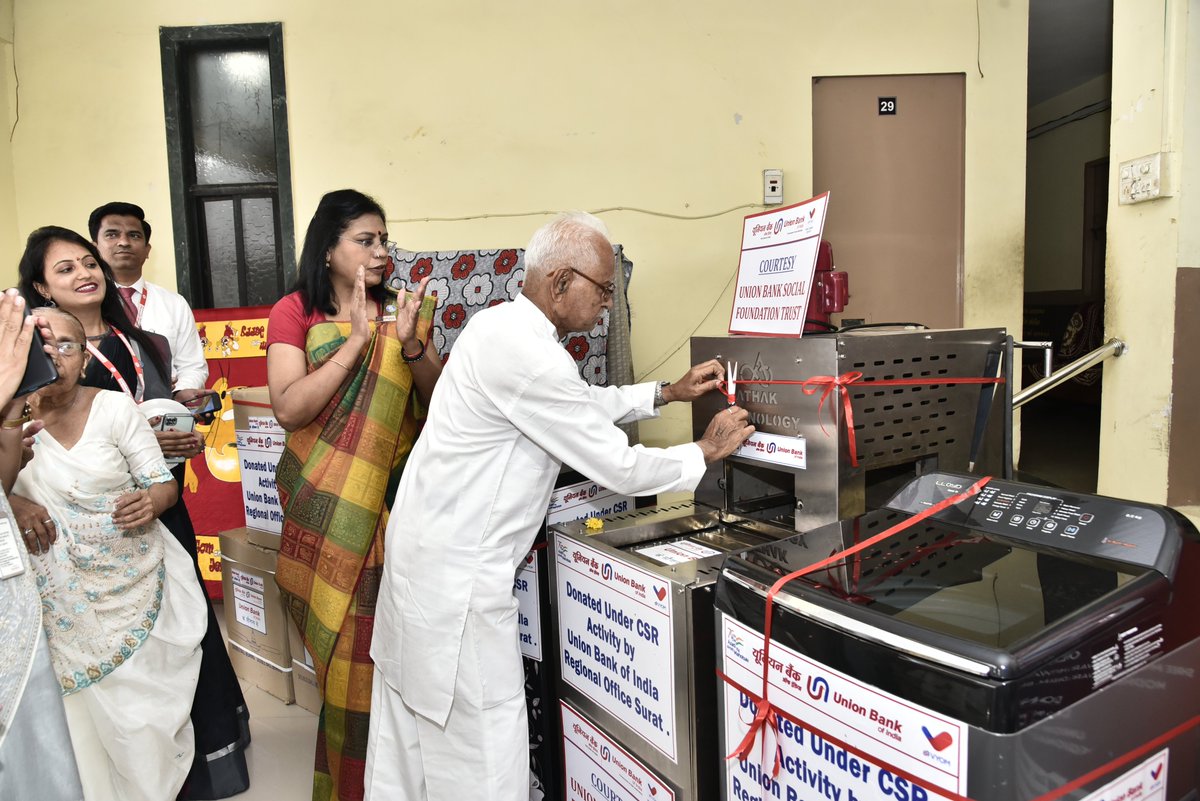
(1141, 179)
(772, 187)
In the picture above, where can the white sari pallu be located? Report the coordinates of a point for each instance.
(122, 610)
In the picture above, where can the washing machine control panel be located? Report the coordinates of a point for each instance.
(1123, 531)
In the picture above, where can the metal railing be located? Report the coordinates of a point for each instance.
(1114, 347)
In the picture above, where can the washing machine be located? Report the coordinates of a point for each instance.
(1021, 644)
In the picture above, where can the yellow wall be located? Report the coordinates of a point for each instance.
(1150, 46)
(10, 249)
(471, 110)
(1054, 187)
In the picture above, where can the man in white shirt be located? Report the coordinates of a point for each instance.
(448, 716)
(122, 235)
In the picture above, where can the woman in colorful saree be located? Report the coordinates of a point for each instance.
(349, 368)
(120, 604)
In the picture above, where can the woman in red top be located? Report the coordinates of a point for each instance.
(349, 368)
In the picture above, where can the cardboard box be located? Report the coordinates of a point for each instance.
(260, 441)
(256, 621)
(304, 681)
(304, 675)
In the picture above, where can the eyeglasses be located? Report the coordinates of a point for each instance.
(606, 292)
(69, 347)
(372, 244)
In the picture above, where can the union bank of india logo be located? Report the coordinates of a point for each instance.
(770, 447)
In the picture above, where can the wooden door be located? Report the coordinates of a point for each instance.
(896, 192)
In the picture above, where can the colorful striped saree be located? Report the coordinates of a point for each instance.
(334, 481)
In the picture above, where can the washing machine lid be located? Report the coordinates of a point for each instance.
(968, 595)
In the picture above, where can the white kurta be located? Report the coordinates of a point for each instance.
(122, 609)
(508, 410)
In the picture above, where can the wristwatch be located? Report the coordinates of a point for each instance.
(659, 400)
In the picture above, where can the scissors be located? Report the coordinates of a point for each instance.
(731, 369)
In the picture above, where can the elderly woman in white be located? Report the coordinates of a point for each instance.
(120, 604)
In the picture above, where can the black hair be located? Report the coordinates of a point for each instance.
(119, 209)
(32, 270)
(334, 214)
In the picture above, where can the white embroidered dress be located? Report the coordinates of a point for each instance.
(122, 610)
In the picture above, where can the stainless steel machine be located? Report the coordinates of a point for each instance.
(1010, 645)
(633, 604)
(898, 430)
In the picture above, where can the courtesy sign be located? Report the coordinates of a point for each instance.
(775, 272)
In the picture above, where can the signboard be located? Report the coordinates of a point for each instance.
(526, 587)
(259, 447)
(917, 741)
(775, 272)
(585, 499)
(614, 630)
(596, 767)
(782, 450)
(235, 348)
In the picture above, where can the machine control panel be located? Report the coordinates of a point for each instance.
(1122, 531)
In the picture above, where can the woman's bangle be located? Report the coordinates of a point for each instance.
(27, 413)
(413, 359)
(339, 364)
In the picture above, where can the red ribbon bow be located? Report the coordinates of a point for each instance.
(766, 712)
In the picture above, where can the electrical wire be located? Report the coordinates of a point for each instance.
(679, 345)
(504, 215)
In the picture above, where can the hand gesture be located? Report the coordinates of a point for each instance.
(360, 331)
(699, 380)
(408, 307)
(16, 331)
(37, 527)
(725, 433)
(133, 510)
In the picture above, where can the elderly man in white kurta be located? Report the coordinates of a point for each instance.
(448, 716)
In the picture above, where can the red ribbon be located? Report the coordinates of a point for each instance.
(809, 386)
(766, 710)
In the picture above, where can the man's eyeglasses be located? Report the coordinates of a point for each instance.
(606, 291)
(371, 245)
(69, 347)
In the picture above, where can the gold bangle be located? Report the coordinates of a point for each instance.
(17, 422)
(339, 364)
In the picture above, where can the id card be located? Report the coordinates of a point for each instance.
(11, 563)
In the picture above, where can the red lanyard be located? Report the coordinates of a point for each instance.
(116, 374)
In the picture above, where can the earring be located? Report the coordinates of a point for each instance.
(50, 302)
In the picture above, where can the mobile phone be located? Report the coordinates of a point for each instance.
(40, 371)
(204, 405)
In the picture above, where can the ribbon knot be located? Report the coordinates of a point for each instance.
(764, 717)
(829, 383)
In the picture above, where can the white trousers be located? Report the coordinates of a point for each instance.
(482, 753)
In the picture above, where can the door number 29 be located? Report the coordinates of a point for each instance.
(887, 105)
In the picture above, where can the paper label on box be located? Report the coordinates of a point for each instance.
(674, 553)
(595, 766)
(884, 730)
(585, 499)
(616, 635)
(1145, 782)
(259, 449)
(249, 604)
(777, 449)
(529, 624)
